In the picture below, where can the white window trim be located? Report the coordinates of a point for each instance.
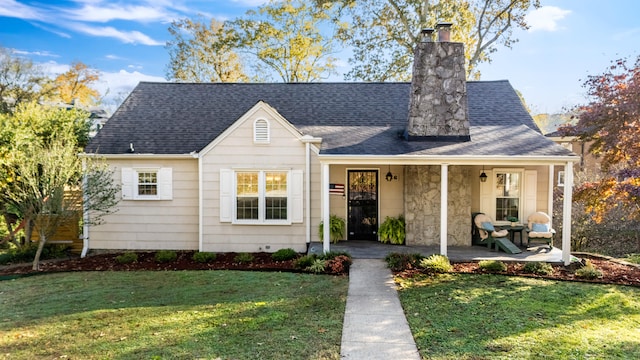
(261, 196)
(295, 197)
(164, 180)
(267, 136)
(561, 178)
(494, 195)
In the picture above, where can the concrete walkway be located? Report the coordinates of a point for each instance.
(374, 323)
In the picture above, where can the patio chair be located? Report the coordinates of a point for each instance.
(487, 231)
(539, 229)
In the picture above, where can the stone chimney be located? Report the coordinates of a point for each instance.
(438, 104)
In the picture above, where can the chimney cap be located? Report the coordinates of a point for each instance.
(444, 24)
(444, 31)
(427, 34)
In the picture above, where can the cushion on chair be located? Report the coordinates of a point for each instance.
(500, 233)
(540, 228)
(487, 226)
(545, 235)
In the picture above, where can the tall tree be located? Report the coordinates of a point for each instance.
(201, 53)
(385, 33)
(611, 121)
(288, 38)
(74, 85)
(20, 81)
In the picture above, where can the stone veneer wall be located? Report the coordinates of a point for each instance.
(422, 205)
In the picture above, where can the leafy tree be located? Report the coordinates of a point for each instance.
(20, 81)
(74, 85)
(201, 53)
(286, 38)
(611, 121)
(385, 33)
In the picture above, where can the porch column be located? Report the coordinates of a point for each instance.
(566, 213)
(325, 208)
(552, 170)
(444, 190)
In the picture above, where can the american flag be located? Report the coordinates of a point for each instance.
(336, 189)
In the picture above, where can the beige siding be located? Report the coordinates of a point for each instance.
(153, 224)
(237, 151)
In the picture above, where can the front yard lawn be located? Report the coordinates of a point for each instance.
(456, 316)
(172, 315)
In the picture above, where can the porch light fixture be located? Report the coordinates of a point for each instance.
(389, 175)
(483, 176)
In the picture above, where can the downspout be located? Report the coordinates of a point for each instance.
(85, 211)
(566, 213)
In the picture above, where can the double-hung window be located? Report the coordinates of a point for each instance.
(261, 196)
(508, 194)
(147, 183)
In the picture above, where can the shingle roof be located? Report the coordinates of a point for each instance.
(352, 118)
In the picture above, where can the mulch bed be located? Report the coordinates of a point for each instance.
(614, 272)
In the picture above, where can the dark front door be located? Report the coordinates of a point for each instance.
(363, 205)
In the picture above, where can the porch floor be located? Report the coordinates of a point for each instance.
(360, 249)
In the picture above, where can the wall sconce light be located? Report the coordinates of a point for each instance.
(483, 176)
(389, 175)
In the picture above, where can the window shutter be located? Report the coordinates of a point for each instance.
(165, 183)
(261, 131)
(530, 191)
(297, 197)
(487, 202)
(127, 183)
(226, 195)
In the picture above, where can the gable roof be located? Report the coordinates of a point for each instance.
(352, 118)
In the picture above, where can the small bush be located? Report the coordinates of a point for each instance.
(436, 264)
(338, 265)
(634, 258)
(538, 268)
(243, 258)
(588, 271)
(317, 266)
(204, 257)
(27, 253)
(304, 262)
(492, 266)
(333, 254)
(284, 255)
(165, 256)
(127, 258)
(400, 262)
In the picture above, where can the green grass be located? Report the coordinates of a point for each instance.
(172, 315)
(634, 258)
(497, 317)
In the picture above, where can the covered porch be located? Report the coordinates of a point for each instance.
(448, 218)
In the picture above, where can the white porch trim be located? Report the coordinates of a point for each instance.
(566, 213)
(326, 207)
(444, 204)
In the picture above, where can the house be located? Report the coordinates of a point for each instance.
(588, 163)
(256, 167)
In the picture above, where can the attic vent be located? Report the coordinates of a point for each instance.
(261, 131)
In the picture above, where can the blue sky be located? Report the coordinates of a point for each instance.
(124, 40)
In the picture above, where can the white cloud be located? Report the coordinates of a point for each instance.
(546, 18)
(34, 53)
(14, 9)
(251, 3)
(115, 86)
(127, 37)
(91, 13)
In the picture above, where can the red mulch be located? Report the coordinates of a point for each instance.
(613, 272)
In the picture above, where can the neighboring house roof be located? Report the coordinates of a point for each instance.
(351, 118)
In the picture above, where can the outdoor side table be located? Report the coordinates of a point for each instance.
(512, 232)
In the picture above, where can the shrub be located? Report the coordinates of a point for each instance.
(492, 265)
(588, 271)
(333, 254)
(284, 254)
(400, 262)
(127, 258)
(204, 257)
(338, 265)
(165, 256)
(304, 262)
(336, 228)
(436, 264)
(27, 253)
(538, 268)
(392, 230)
(243, 258)
(317, 266)
(634, 258)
